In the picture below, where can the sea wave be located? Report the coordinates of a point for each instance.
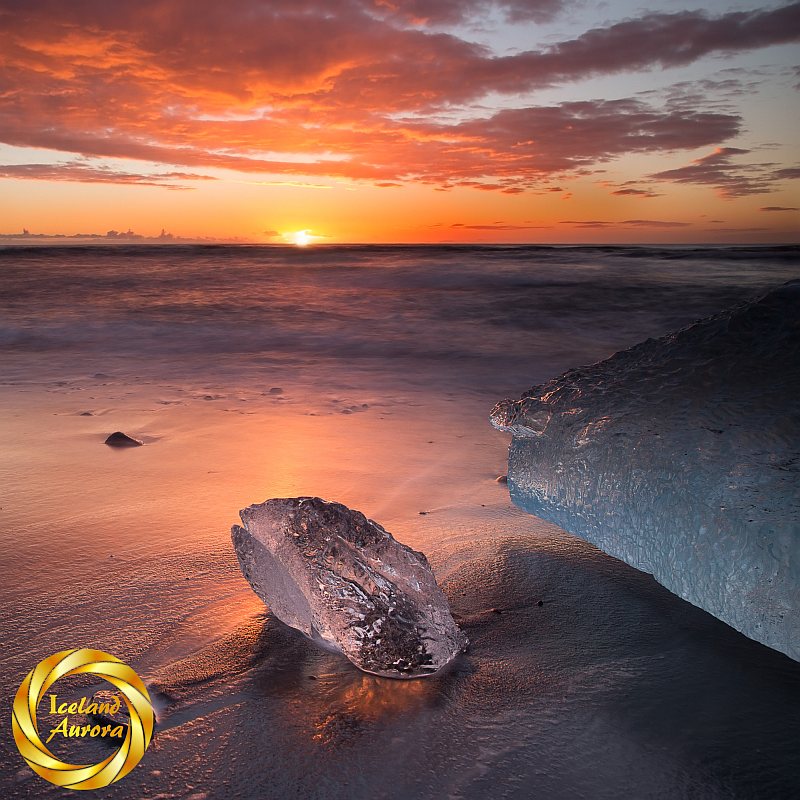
(495, 315)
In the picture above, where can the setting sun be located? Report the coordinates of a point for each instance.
(301, 238)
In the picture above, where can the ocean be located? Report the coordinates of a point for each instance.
(362, 374)
(491, 319)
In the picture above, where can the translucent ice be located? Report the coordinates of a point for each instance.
(345, 582)
(681, 456)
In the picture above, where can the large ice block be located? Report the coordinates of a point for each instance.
(681, 456)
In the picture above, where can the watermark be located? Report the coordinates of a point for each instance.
(102, 710)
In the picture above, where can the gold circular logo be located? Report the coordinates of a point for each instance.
(26, 729)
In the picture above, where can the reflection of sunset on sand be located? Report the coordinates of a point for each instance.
(368, 699)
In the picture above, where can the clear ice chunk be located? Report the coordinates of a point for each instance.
(347, 584)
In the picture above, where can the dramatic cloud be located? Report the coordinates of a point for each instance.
(628, 223)
(448, 12)
(112, 236)
(85, 173)
(352, 89)
(510, 151)
(731, 179)
(519, 149)
(653, 223)
(672, 39)
(499, 226)
(629, 192)
(787, 174)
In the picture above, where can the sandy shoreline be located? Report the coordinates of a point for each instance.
(86, 521)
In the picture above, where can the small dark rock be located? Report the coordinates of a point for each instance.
(540, 603)
(423, 513)
(312, 677)
(86, 414)
(502, 478)
(276, 390)
(120, 439)
(496, 610)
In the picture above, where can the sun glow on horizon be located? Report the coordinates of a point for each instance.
(301, 238)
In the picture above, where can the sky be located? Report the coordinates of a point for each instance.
(303, 121)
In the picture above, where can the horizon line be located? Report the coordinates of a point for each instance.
(75, 241)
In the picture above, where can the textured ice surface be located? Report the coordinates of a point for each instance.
(345, 582)
(681, 456)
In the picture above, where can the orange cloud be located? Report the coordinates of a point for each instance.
(731, 179)
(85, 173)
(235, 85)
